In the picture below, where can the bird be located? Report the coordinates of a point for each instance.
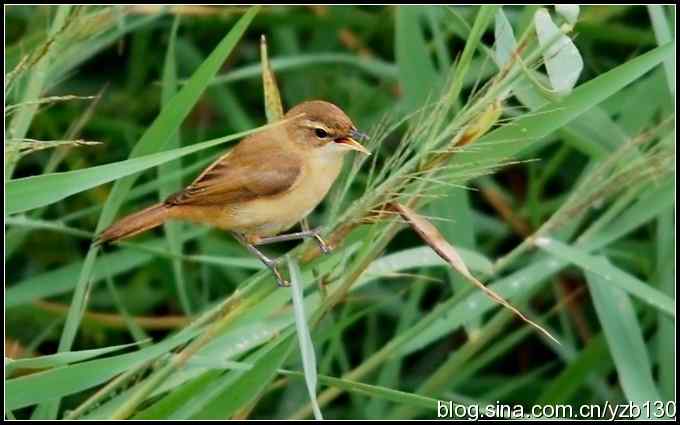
(263, 186)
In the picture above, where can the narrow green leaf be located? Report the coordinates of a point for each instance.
(32, 192)
(75, 54)
(250, 383)
(421, 257)
(624, 337)
(460, 232)
(516, 284)
(400, 397)
(652, 203)
(663, 35)
(484, 16)
(304, 337)
(509, 140)
(609, 273)
(374, 67)
(224, 97)
(183, 395)
(60, 281)
(61, 381)
(61, 359)
(170, 186)
(21, 121)
(153, 140)
(592, 360)
(665, 264)
(417, 74)
(187, 386)
(438, 38)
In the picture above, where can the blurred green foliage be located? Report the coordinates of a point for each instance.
(597, 193)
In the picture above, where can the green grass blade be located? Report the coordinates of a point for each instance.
(153, 140)
(135, 329)
(482, 20)
(187, 396)
(173, 229)
(663, 35)
(389, 328)
(592, 360)
(666, 277)
(509, 140)
(624, 337)
(33, 192)
(652, 203)
(61, 359)
(249, 384)
(304, 337)
(460, 232)
(60, 281)
(400, 397)
(59, 382)
(187, 385)
(422, 257)
(374, 67)
(609, 273)
(417, 74)
(223, 96)
(78, 53)
(438, 38)
(18, 127)
(514, 285)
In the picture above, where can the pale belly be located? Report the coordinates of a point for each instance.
(268, 217)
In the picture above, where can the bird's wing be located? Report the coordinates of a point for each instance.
(254, 169)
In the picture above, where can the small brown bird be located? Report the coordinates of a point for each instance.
(264, 185)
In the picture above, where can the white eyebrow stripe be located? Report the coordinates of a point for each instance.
(315, 124)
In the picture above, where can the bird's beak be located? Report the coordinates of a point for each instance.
(353, 144)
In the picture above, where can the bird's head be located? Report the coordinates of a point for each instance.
(324, 127)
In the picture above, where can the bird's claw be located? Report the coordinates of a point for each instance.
(281, 282)
(323, 246)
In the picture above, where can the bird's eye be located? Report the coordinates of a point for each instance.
(321, 133)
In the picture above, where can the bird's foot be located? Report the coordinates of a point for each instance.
(270, 263)
(281, 281)
(323, 246)
(312, 233)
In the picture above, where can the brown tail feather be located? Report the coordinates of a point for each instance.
(136, 223)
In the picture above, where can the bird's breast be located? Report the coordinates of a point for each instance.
(273, 215)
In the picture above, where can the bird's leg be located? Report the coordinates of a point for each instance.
(312, 233)
(270, 263)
